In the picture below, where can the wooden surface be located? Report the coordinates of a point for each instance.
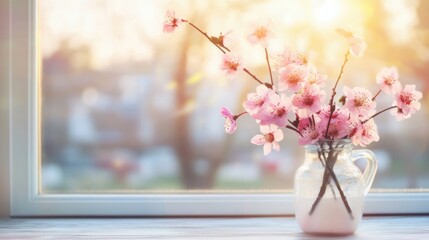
(404, 227)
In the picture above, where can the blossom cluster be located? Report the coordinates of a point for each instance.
(298, 101)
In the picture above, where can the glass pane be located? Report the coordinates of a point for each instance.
(129, 108)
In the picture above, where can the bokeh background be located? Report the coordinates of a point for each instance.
(128, 108)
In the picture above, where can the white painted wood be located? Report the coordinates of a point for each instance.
(4, 107)
(23, 105)
(388, 228)
(25, 160)
(200, 204)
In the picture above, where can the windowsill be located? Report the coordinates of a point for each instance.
(387, 227)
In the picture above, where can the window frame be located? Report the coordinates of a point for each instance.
(25, 159)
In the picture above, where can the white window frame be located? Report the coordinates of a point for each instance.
(25, 157)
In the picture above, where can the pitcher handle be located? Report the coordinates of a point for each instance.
(370, 168)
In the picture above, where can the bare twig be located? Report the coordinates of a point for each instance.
(334, 92)
(223, 51)
(269, 66)
(294, 129)
(382, 111)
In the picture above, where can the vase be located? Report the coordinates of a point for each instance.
(330, 189)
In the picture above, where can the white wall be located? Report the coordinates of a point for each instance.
(4, 109)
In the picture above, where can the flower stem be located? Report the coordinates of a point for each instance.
(337, 183)
(252, 75)
(375, 115)
(238, 115)
(223, 51)
(334, 92)
(319, 156)
(294, 129)
(376, 95)
(329, 172)
(269, 66)
(204, 33)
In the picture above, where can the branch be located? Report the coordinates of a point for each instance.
(331, 101)
(294, 129)
(223, 51)
(204, 33)
(376, 95)
(253, 76)
(375, 115)
(235, 117)
(269, 67)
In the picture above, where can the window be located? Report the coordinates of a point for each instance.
(111, 117)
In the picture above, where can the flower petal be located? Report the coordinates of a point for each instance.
(276, 146)
(258, 139)
(267, 148)
(278, 135)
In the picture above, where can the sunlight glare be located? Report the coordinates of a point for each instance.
(327, 12)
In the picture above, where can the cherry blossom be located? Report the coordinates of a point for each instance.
(289, 57)
(357, 46)
(338, 127)
(309, 100)
(257, 101)
(284, 58)
(363, 134)
(171, 22)
(314, 77)
(292, 77)
(270, 138)
(231, 64)
(407, 102)
(260, 33)
(313, 121)
(311, 131)
(388, 79)
(359, 102)
(276, 112)
(301, 57)
(340, 114)
(356, 42)
(230, 121)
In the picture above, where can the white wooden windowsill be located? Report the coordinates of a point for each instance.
(391, 227)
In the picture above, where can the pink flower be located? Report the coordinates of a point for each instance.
(356, 42)
(230, 121)
(363, 133)
(171, 22)
(231, 64)
(270, 137)
(340, 114)
(338, 127)
(288, 57)
(388, 79)
(314, 77)
(292, 77)
(301, 58)
(304, 123)
(407, 102)
(399, 114)
(283, 59)
(359, 102)
(276, 112)
(309, 100)
(257, 101)
(357, 46)
(311, 132)
(260, 33)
